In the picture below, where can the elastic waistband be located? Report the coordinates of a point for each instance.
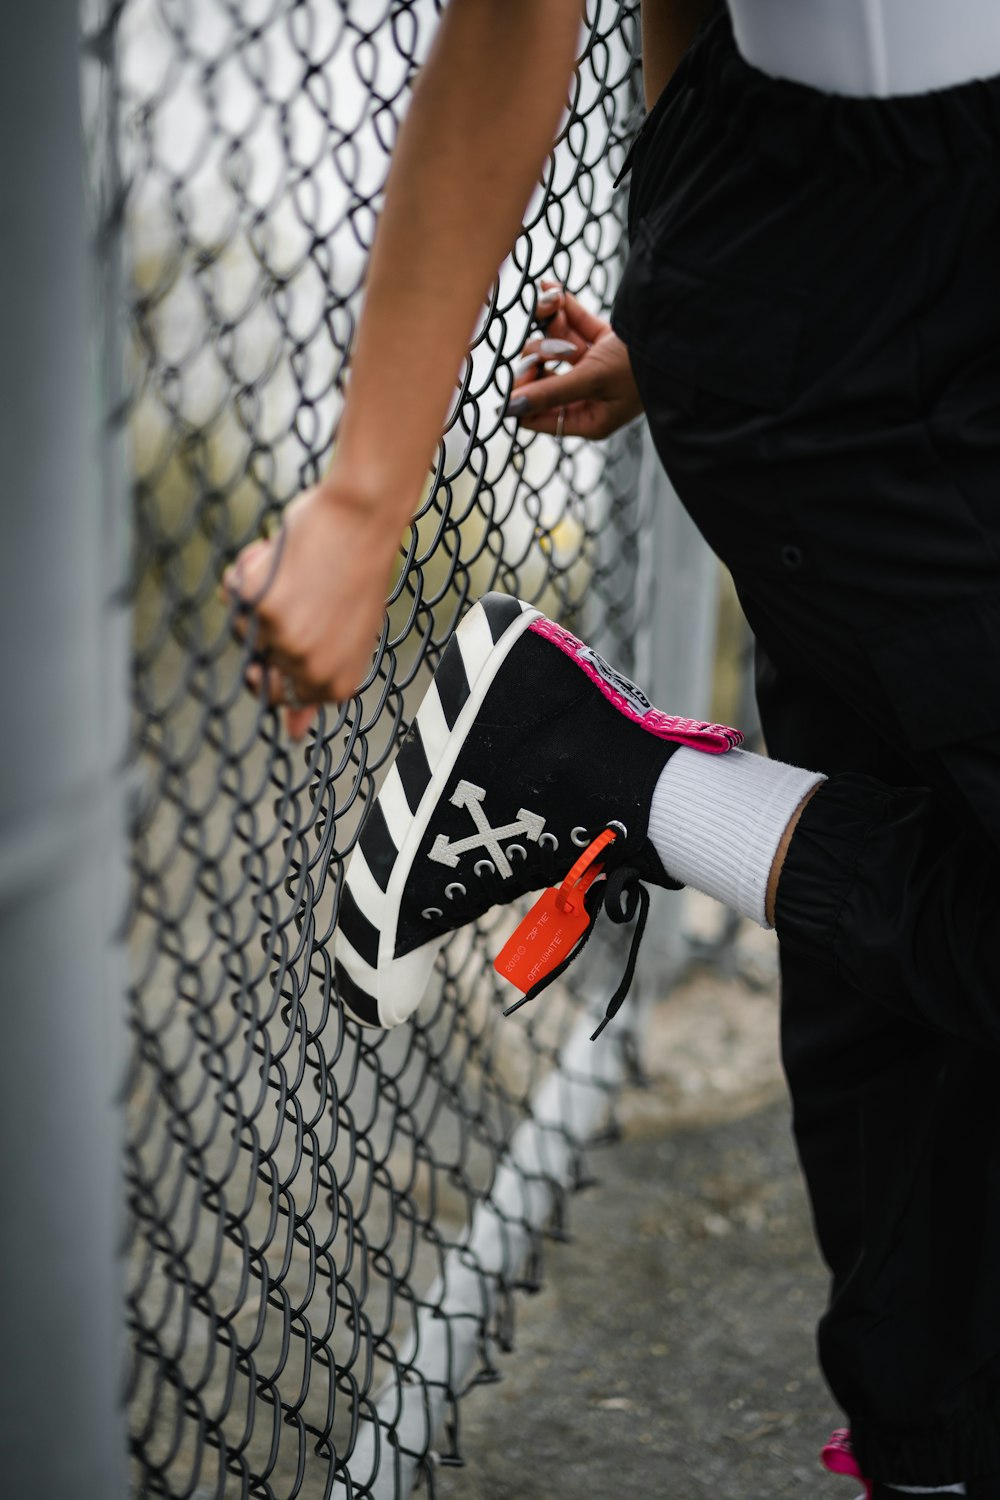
(870, 48)
(794, 124)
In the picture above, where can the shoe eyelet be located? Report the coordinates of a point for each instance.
(550, 839)
(614, 823)
(484, 864)
(455, 885)
(517, 849)
(430, 913)
(580, 837)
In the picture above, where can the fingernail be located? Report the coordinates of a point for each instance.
(547, 298)
(517, 406)
(556, 348)
(524, 366)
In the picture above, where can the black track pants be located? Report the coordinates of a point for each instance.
(812, 310)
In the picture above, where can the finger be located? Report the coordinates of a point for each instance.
(298, 717)
(247, 626)
(273, 688)
(577, 421)
(232, 579)
(524, 370)
(581, 323)
(246, 585)
(548, 300)
(290, 690)
(257, 574)
(557, 327)
(280, 684)
(540, 352)
(298, 720)
(552, 391)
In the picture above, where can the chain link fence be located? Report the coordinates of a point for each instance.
(326, 1227)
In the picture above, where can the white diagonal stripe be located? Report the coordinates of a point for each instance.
(475, 642)
(395, 807)
(361, 972)
(433, 728)
(365, 889)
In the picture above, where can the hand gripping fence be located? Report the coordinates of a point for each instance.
(326, 1228)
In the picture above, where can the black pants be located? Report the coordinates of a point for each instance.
(812, 310)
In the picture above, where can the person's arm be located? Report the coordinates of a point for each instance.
(484, 113)
(668, 27)
(598, 395)
(483, 116)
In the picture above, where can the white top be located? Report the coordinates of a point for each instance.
(870, 47)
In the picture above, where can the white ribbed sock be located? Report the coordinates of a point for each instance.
(716, 822)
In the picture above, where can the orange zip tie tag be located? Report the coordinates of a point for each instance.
(554, 925)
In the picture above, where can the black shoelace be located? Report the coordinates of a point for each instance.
(622, 894)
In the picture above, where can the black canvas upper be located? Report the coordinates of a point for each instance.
(546, 740)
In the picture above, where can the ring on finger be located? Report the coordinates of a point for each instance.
(560, 423)
(289, 693)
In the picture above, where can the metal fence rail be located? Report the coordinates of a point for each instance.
(326, 1229)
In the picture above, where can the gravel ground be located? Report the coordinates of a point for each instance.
(671, 1351)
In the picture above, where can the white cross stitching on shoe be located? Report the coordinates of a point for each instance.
(467, 795)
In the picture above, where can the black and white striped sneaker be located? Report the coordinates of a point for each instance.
(527, 745)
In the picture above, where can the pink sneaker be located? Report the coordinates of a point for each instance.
(838, 1457)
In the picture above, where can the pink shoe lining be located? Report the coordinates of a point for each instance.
(838, 1458)
(714, 739)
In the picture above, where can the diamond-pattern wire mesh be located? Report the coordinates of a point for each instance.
(295, 1187)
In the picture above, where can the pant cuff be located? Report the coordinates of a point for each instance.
(822, 861)
(963, 1445)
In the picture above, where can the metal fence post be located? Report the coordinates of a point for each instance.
(61, 806)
